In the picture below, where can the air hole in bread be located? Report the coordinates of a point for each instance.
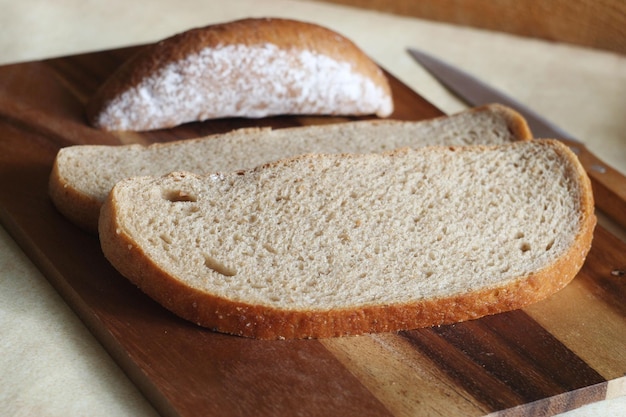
(176, 196)
(344, 238)
(270, 248)
(525, 247)
(218, 267)
(549, 245)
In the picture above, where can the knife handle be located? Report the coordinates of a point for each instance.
(609, 185)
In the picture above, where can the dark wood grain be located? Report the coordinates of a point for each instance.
(510, 363)
(505, 359)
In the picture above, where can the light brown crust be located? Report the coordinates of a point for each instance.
(268, 323)
(74, 205)
(516, 122)
(284, 33)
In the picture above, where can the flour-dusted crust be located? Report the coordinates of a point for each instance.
(246, 68)
(83, 175)
(256, 320)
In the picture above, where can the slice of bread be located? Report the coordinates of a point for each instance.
(329, 245)
(246, 68)
(83, 175)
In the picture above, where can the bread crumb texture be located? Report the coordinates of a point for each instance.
(336, 232)
(84, 175)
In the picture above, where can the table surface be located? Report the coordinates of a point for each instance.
(51, 365)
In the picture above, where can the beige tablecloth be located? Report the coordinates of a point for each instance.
(50, 365)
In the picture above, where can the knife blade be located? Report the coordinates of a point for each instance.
(476, 92)
(608, 184)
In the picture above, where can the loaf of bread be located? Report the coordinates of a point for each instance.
(330, 245)
(246, 68)
(83, 175)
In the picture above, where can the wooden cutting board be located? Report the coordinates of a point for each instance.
(556, 355)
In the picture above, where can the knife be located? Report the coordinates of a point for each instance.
(609, 185)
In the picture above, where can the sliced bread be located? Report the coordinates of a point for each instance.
(83, 175)
(330, 245)
(245, 68)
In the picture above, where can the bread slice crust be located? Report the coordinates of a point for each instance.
(74, 183)
(206, 67)
(257, 320)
